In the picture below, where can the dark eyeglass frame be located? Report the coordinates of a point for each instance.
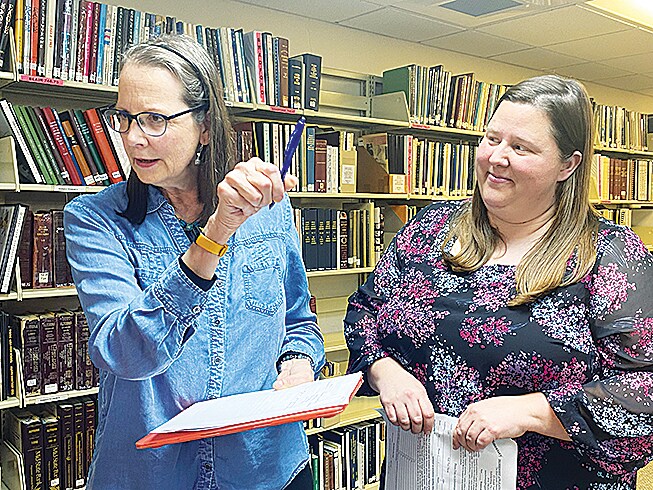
(131, 117)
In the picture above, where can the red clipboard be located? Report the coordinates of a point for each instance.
(158, 438)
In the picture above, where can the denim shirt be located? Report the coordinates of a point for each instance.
(161, 343)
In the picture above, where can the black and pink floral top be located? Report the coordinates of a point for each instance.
(588, 347)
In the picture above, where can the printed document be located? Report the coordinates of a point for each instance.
(417, 461)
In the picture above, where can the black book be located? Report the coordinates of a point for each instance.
(24, 431)
(66, 339)
(79, 451)
(66, 445)
(49, 354)
(27, 337)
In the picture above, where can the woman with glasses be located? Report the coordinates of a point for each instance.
(192, 283)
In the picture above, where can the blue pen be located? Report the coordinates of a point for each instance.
(291, 147)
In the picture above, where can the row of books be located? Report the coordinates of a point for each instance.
(431, 167)
(615, 179)
(52, 352)
(348, 458)
(333, 239)
(83, 40)
(63, 148)
(325, 161)
(621, 216)
(617, 127)
(50, 446)
(42, 251)
(437, 97)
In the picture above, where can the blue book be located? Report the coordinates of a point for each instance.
(99, 78)
(295, 83)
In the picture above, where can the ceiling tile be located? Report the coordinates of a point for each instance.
(476, 44)
(538, 59)
(607, 46)
(478, 9)
(554, 26)
(634, 83)
(638, 63)
(401, 25)
(331, 11)
(589, 71)
(437, 11)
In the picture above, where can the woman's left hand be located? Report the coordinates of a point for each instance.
(294, 372)
(504, 417)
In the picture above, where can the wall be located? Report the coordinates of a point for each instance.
(353, 50)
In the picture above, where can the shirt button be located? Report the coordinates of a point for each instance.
(208, 466)
(196, 309)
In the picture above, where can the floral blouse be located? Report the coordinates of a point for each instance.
(588, 347)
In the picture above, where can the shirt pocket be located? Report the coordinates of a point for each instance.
(263, 285)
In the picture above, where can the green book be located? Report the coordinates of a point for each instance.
(45, 146)
(90, 144)
(401, 79)
(37, 152)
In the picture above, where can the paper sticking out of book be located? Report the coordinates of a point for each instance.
(430, 462)
(245, 411)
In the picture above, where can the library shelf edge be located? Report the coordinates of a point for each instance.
(360, 409)
(58, 396)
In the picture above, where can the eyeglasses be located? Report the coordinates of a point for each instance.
(151, 123)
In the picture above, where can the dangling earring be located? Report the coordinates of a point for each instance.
(198, 155)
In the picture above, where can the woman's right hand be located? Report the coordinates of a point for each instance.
(249, 187)
(403, 397)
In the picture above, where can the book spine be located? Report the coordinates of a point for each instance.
(51, 459)
(79, 474)
(90, 421)
(313, 76)
(283, 72)
(90, 45)
(84, 367)
(89, 179)
(42, 38)
(25, 251)
(49, 354)
(100, 138)
(34, 38)
(13, 244)
(27, 327)
(66, 445)
(42, 276)
(62, 274)
(52, 146)
(65, 33)
(61, 146)
(99, 37)
(65, 339)
(94, 155)
(295, 83)
(19, 31)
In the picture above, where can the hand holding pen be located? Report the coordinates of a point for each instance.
(291, 147)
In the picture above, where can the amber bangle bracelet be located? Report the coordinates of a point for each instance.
(210, 246)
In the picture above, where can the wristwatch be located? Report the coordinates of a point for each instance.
(287, 356)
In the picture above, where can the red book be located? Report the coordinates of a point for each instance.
(102, 143)
(58, 138)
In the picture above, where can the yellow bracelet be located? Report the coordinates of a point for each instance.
(210, 246)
